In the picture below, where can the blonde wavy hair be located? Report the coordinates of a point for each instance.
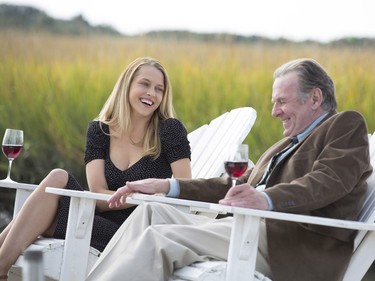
(116, 110)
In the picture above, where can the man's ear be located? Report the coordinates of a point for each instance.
(317, 98)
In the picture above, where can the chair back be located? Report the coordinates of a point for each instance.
(368, 210)
(212, 143)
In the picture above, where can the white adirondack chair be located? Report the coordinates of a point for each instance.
(244, 237)
(72, 258)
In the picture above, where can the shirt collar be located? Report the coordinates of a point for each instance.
(308, 130)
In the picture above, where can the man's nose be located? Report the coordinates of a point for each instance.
(275, 110)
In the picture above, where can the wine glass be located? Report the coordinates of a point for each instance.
(237, 163)
(12, 146)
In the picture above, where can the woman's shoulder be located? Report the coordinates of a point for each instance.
(172, 124)
(174, 139)
(97, 132)
(97, 141)
(96, 127)
(172, 129)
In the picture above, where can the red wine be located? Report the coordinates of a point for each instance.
(235, 169)
(12, 151)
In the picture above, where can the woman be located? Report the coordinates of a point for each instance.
(134, 137)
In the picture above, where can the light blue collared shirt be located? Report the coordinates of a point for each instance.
(174, 187)
(308, 130)
(300, 138)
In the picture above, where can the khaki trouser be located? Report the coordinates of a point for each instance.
(157, 238)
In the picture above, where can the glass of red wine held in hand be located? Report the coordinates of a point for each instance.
(12, 146)
(236, 164)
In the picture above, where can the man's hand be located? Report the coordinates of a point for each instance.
(147, 186)
(245, 196)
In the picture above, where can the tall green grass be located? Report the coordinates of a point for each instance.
(51, 87)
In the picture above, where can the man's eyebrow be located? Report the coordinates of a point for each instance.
(278, 99)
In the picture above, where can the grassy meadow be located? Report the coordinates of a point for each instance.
(52, 86)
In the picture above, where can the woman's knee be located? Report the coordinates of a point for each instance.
(57, 178)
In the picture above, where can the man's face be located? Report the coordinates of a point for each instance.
(295, 115)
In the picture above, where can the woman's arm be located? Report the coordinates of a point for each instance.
(97, 183)
(181, 169)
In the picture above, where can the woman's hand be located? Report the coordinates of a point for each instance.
(147, 186)
(246, 196)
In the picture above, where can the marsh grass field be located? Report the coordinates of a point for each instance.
(52, 86)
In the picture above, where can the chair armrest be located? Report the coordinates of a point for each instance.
(17, 185)
(204, 206)
(187, 206)
(86, 195)
(245, 231)
(207, 207)
(78, 194)
(183, 205)
(356, 225)
(23, 190)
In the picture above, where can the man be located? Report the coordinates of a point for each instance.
(321, 171)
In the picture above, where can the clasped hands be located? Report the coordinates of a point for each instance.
(243, 195)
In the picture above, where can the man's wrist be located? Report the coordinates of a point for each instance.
(269, 201)
(174, 188)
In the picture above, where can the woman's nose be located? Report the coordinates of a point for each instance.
(151, 92)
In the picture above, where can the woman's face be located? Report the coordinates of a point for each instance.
(146, 91)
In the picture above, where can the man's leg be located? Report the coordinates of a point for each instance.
(262, 263)
(156, 239)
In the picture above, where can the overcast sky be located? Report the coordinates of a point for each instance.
(322, 20)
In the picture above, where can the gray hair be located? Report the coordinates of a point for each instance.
(310, 75)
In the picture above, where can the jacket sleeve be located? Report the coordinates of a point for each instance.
(207, 190)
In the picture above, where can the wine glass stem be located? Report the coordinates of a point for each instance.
(234, 180)
(9, 168)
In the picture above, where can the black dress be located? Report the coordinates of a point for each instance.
(174, 146)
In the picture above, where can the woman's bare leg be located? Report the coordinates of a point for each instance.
(4, 233)
(36, 217)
